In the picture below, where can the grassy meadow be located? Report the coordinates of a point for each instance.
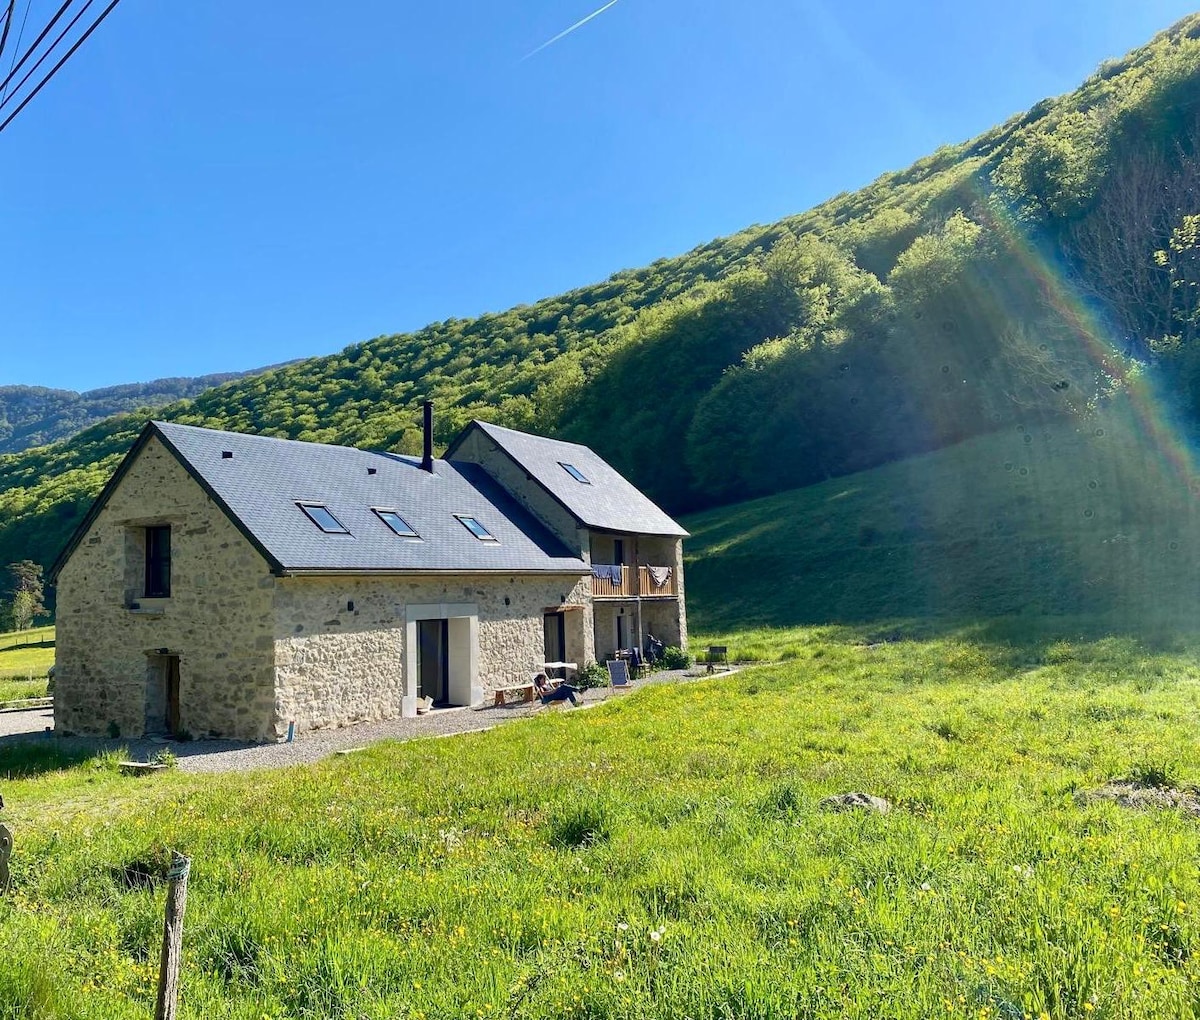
(661, 856)
(979, 635)
(1075, 527)
(24, 659)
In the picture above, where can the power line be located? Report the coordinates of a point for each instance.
(20, 36)
(7, 25)
(29, 74)
(36, 43)
(55, 69)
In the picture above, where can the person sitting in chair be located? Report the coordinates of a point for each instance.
(547, 692)
(654, 648)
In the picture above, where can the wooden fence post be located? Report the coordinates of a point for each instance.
(6, 841)
(172, 947)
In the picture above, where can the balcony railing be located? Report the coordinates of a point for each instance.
(648, 578)
(620, 581)
(609, 587)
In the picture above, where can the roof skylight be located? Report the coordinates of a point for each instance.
(323, 518)
(574, 472)
(476, 529)
(397, 523)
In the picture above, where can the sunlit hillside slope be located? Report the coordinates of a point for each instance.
(1093, 518)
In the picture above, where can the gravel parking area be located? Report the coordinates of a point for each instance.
(235, 756)
(26, 721)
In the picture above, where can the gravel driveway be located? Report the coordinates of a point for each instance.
(234, 756)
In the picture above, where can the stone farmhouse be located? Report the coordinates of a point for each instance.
(234, 585)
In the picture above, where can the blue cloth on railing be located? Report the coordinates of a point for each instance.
(608, 572)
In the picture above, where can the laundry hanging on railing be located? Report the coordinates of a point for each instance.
(660, 576)
(608, 572)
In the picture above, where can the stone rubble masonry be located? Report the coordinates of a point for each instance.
(256, 651)
(336, 665)
(218, 618)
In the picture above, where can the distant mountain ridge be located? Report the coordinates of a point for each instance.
(36, 415)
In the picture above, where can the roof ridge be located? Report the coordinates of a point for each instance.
(533, 435)
(282, 439)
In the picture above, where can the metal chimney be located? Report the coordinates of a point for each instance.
(427, 456)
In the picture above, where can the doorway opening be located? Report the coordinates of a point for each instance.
(554, 626)
(163, 714)
(433, 661)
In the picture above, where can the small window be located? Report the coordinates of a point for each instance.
(397, 523)
(476, 529)
(574, 472)
(323, 518)
(158, 562)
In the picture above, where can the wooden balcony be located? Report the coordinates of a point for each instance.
(634, 582)
(606, 588)
(648, 589)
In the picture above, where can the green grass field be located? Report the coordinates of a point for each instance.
(24, 659)
(662, 856)
(1088, 522)
(978, 635)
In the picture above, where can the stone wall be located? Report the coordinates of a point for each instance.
(680, 595)
(338, 665)
(662, 618)
(218, 619)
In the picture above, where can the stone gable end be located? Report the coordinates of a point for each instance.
(218, 619)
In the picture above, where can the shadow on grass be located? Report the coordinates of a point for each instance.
(37, 752)
(22, 645)
(27, 755)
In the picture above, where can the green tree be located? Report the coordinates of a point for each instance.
(1056, 171)
(22, 610)
(1181, 260)
(27, 593)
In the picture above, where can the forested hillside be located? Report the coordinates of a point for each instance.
(1019, 278)
(37, 415)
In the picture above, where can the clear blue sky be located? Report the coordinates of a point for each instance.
(221, 185)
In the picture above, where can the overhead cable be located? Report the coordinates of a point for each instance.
(55, 69)
(7, 25)
(36, 43)
(20, 35)
(10, 96)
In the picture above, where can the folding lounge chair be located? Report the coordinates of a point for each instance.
(618, 674)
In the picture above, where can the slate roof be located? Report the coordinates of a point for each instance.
(262, 483)
(607, 501)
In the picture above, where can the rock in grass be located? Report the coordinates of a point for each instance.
(855, 802)
(1129, 793)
